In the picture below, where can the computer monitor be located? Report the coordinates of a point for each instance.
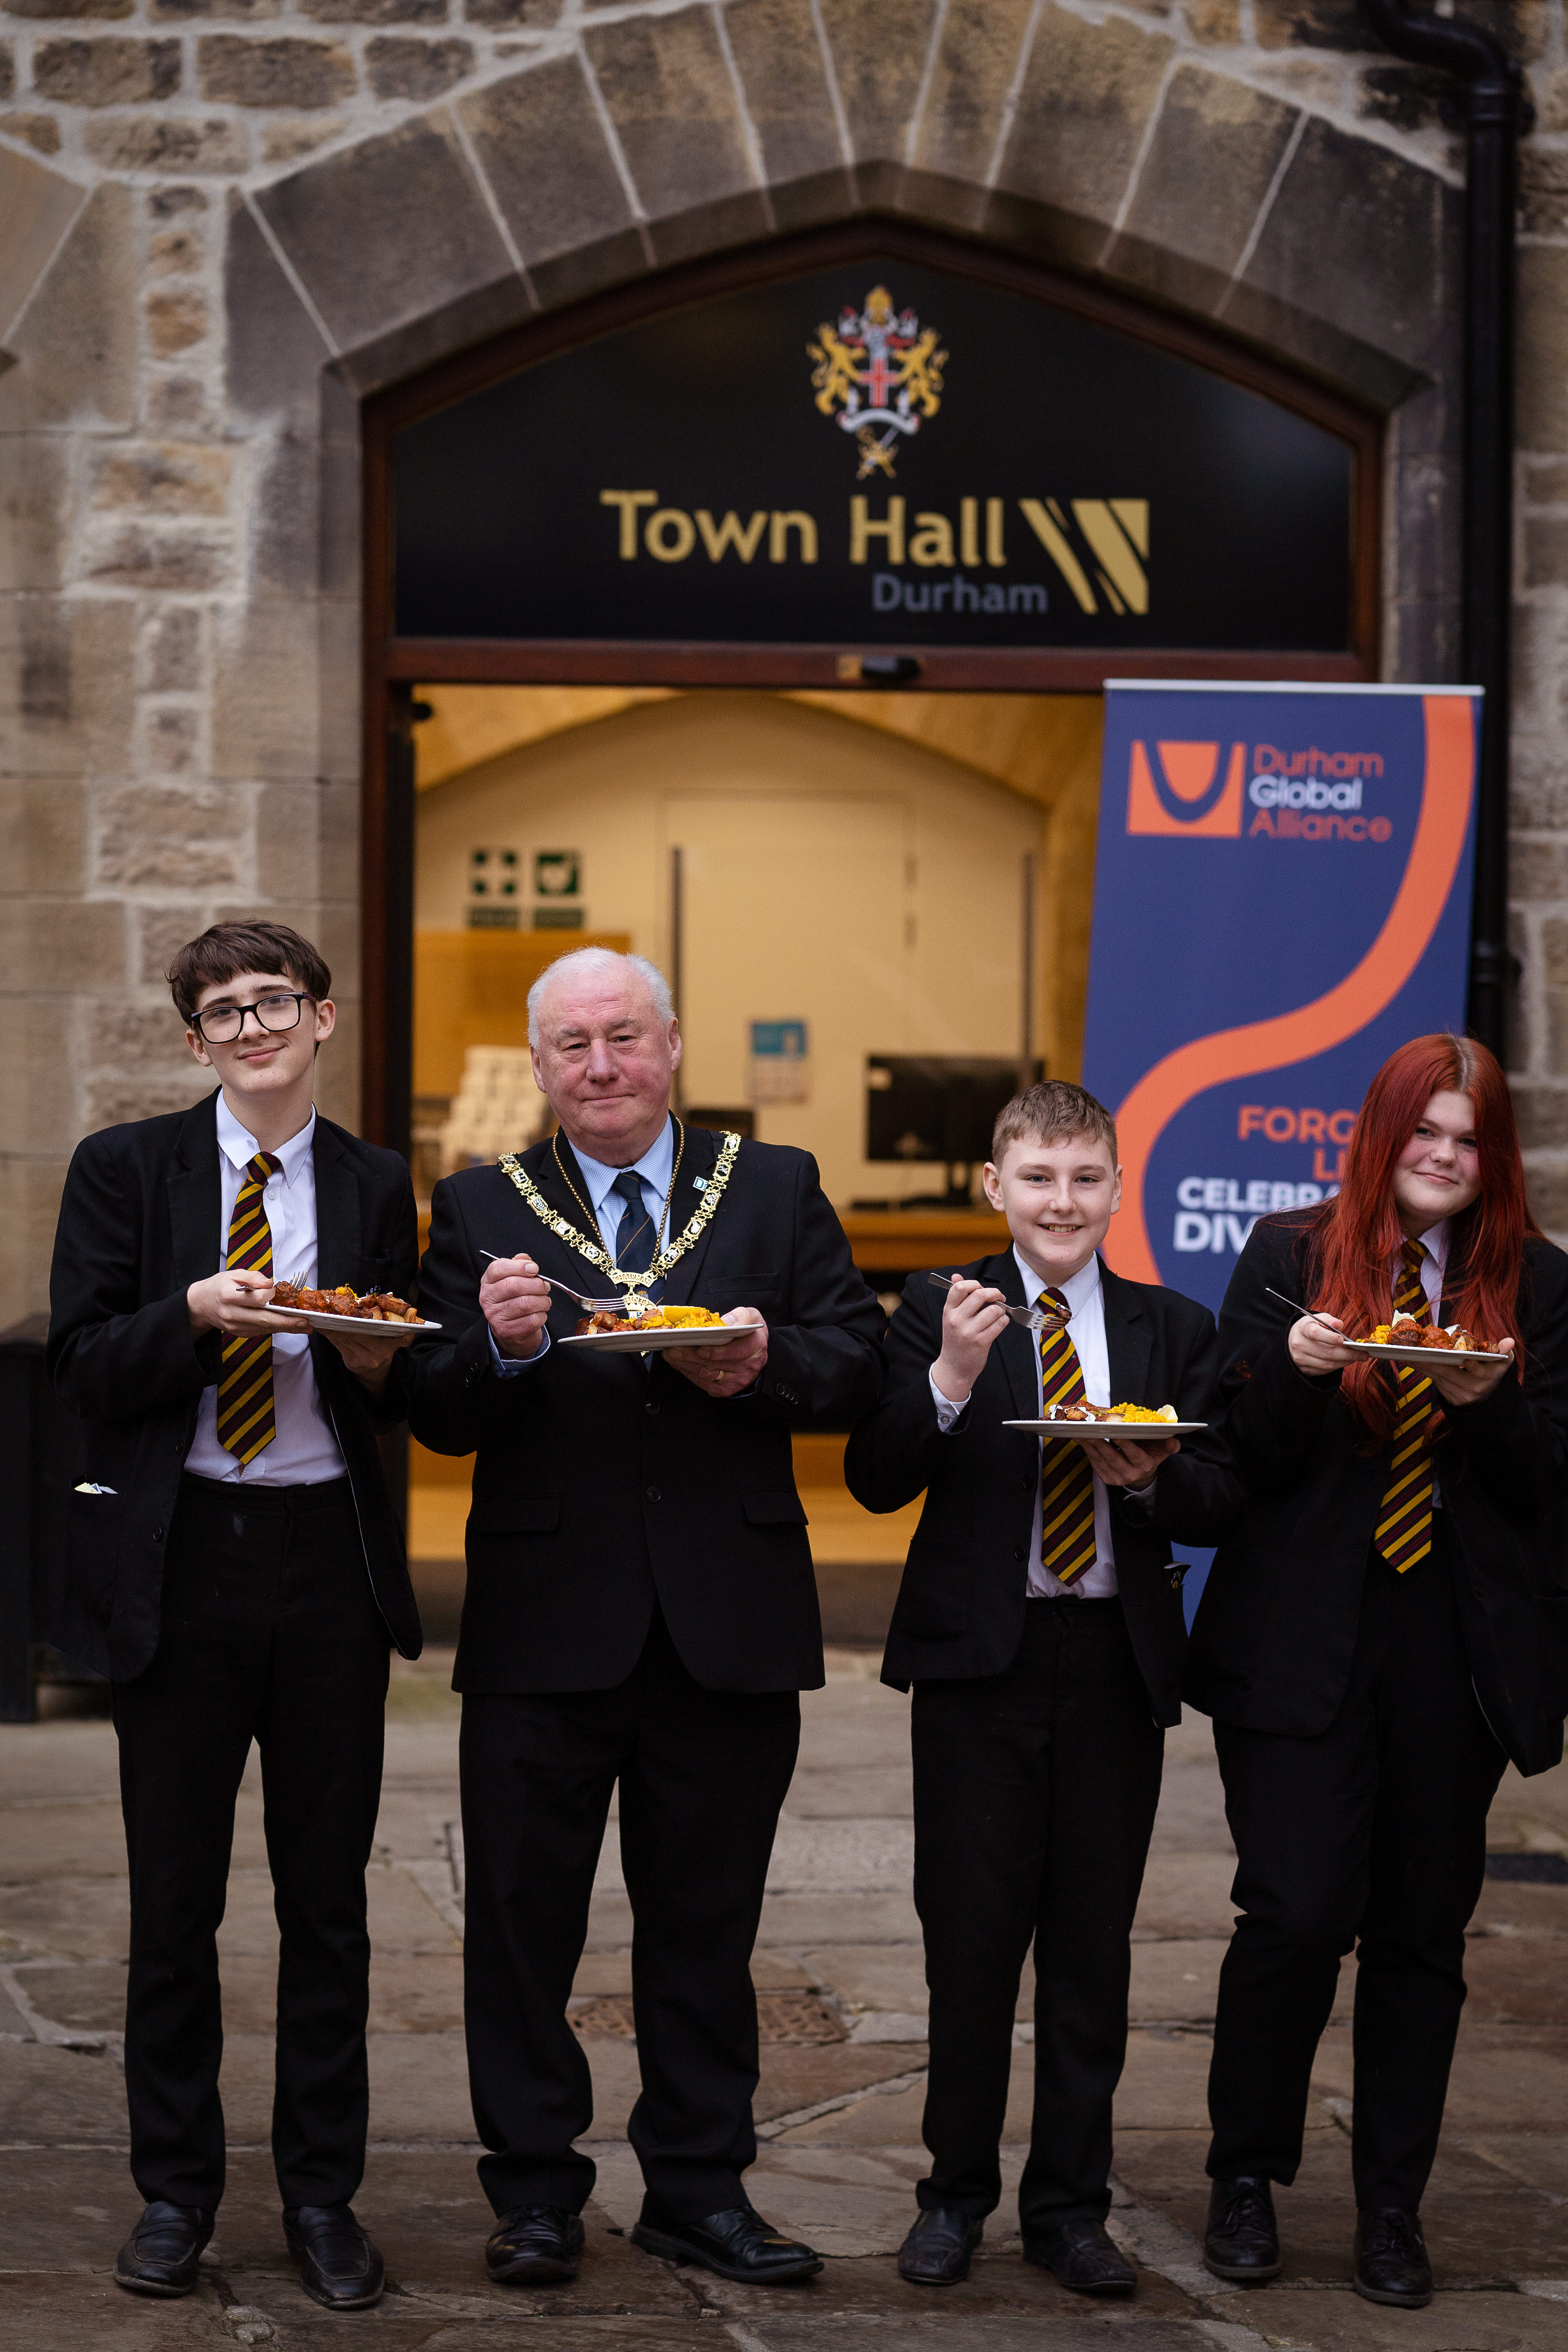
(940, 1107)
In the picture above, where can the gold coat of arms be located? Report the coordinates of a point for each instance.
(881, 372)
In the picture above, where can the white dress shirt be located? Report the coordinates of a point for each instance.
(1086, 1329)
(655, 1169)
(304, 1453)
(1433, 1267)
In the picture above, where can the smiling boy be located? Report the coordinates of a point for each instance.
(236, 1571)
(1040, 1623)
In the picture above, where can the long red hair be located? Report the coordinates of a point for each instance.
(1357, 1235)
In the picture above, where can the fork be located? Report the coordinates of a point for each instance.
(616, 1305)
(1032, 1319)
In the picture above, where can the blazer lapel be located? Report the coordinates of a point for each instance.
(1128, 1339)
(699, 1158)
(1017, 1348)
(339, 1239)
(196, 1198)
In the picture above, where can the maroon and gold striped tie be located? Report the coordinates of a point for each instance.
(1066, 1483)
(247, 1424)
(1403, 1530)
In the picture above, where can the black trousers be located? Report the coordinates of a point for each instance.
(1372, 1832)
(1035, 1798)
(702, 1775)
(269, 1631)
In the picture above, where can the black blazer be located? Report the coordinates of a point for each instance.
(960, 1609)
(1276, 1628)
(603, 1479)
(140, 1222)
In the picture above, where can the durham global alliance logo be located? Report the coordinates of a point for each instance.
(1185, 788)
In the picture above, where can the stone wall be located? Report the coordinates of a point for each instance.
(225, 220)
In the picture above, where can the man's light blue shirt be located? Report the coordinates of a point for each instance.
(655, 1169)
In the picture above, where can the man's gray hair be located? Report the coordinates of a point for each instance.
(578, 960)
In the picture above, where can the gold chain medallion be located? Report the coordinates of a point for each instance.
(635, 1284)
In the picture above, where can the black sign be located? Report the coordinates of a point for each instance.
(876, 453)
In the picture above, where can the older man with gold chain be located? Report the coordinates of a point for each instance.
(640, 1604)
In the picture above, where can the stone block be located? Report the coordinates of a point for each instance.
(177, 404)
(219, 12)
(168, 738)
(163, 142)
(1539, 869)
(1427, 527)
(976, 61)
(111, 1099)
(55, 943)
(274, 353)
(1309, 25)
(878, 49)
(541, 148)
(1545, 551)
(1087, 97)
(43, 835)
(1214, 20)
(1543, 190)
(65, 682)
(162, 479)
(668, 91)
(1407, 97)
(158, 933)
(1362, 242)
(133, 556)
(141, 1037)
(39, 131)
(70, 8)
(293, 138)
(387, 231)
(29, 1206)
(1215, 151)
(265, 703)
(109, 71)
(174, 253)
(1540, 668)
(35, 509)
(7, 71)
(281, 72)
(415, 69)
(175, 320)
(1538, 787)
(526, 16)
(37, 206)
(1554, 951)
(1542, 1115)
(169, 837)
(375, 11)
(780, 62)
(288, 828)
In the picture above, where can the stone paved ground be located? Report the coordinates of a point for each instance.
(839, 2115)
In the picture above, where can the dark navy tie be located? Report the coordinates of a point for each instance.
(634, 1234)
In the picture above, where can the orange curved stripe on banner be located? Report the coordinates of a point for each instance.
(1329, 1020)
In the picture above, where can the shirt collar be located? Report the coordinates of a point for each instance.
(1078, 1290)
(240, 1147)
(654, 1168)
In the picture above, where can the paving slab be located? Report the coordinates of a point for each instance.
(72, 1918)
(1452, 2323)
(51, 2095)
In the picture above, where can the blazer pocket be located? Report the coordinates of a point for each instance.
(775, 1506)
(519, 1515)
(93, 1523)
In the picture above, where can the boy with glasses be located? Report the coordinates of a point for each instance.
(237, 1570)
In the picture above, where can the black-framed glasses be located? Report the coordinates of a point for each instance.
(223, 1023)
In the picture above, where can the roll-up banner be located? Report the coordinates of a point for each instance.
(1281, 897)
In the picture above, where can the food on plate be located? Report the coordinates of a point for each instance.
(1086, 1412)
(652, 1319)
(374, 1307)
(1405, 1332)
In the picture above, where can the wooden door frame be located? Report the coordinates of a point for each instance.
(392, 665)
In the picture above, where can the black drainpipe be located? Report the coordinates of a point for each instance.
(1496, 113)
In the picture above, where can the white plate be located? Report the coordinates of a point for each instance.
(305, 1319)
(1392, 1355)
(1106, 1428)
(654, 1342)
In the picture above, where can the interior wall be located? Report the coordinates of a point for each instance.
(844, 864)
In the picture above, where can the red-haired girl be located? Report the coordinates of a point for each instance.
(1384, 1627)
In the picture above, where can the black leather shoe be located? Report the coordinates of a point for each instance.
(535, 2245)
(337, 2263)
(735, 2245)
(1243, 2240)
(1084, 2256)
(161, 2255)
(936, 2252)
(1391, 2264)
